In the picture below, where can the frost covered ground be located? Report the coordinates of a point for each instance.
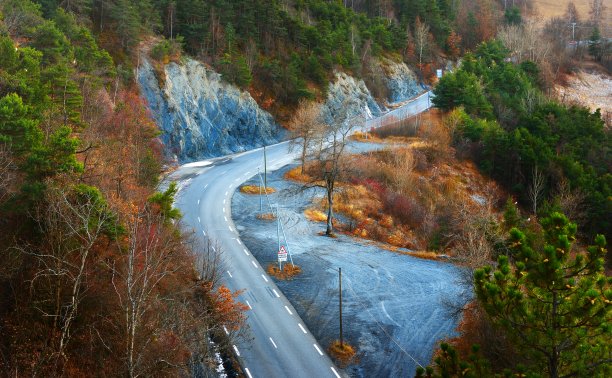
(395, 306)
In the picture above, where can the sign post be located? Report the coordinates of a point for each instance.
(282, 255)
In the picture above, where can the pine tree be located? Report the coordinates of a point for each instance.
(553, 301)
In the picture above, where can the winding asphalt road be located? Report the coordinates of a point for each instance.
(278, 343)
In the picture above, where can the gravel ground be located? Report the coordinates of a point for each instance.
(395, 307)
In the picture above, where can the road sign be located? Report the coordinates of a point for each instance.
(439, 73)
(282, 254)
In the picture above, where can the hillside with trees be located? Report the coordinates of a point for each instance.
(96, 274)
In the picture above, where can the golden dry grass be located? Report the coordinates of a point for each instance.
(255, 189)
(289, 271)
(428, 255)
(315, 215)
(343, 353)
(361, 136)
(295, 174)
(266, 216)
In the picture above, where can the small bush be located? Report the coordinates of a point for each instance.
(405, 209)
(255, 189)
(343, 353)
(166, 51)
(289, 271)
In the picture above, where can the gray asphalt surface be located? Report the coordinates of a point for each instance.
(279, 344)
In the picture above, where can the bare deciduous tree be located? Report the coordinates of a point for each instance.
(72, 223)
(422, 41)
(306, 127)
(536, 188)
(7, 173)
(330, 154)
(148, 260)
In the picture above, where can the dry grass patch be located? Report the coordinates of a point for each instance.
(295, 174)
(343, 353)
(266, 216)
(361, 136)
(256, 189)
(289, 271)
(428, 255)
(315, 215)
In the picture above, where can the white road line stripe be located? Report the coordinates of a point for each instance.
(273, 343)
(248, 304)
(199, 220)
(224, 172)
(231, 229)
(275, 293)
(204, 233)
(264, 277)
(317, 348)
(302, 327)
(224, 201)
(225, 218)
(289, 311)
(239, 242)
(248, 372)
(225, 329)
(198, 202)
(226, 194)
(238, 353)
(205, 186)
(228, 272)
(335, 372)
(213, 248)
(246, 252)
(253, 262)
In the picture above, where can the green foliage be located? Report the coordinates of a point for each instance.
(166, 49)
(596, 44)
(462, 88)
(553, 302)
(101, 212)
(448, 364)
(512, 16)
(164, 201)
(235, 69)
(530, 131)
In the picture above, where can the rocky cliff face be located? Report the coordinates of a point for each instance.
(401, 82)
(353, 94)
(202, 116)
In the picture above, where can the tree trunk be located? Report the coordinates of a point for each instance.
(330, 204)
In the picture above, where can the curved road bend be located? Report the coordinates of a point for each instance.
(278, 342)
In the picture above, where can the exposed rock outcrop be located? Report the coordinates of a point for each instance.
(352, 94)
(202, 116)
(401, 81)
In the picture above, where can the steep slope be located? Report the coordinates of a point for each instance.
(201, 116)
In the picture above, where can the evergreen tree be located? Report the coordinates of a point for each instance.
(552, 300)
(595, 45)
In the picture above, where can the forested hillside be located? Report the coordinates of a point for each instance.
(95, 275)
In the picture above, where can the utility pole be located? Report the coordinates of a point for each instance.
(340, 303)
(260, 197)
(573, 31)
(265, 171)
(280, 264)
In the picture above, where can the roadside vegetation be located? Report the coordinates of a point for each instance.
(96, 274)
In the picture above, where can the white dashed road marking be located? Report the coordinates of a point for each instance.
(248, 304)
(198, 202)
(302, 327)
(275, 293)
(248, 372)
(228, 272)
(239, 242)
(225, 218)
(317, 348)
(273, 343)
(264, 277)
(253, 262)
(199, 220)
(289, 311)
(335, 372)
(225, 329)
(246, 252)
(238, 353)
